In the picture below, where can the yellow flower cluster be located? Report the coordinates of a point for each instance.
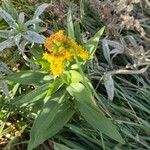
(60, 51)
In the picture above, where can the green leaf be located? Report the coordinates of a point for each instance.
(75, 76)
(91, 113)
(83, 132)
(44, 64)
(80, 92)
(37, 51)
(92, 43)
(32, 96)
(54, 115)
(70, 26)
(78, 33)
(29, 77)
(34, 37)
(98, 121)
(75, 145)
(82, 9)
(54, 86)
(58, 146)
(71, 76)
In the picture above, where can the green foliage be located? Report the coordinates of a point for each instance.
(70, 24)
(74, 76)
(58, 111)
(33, 96)
(54, 115)
(91, 44)
(72, 109)
(75, 89)
(62, 96)
(58, 146)
(29, 77)
(91, 113)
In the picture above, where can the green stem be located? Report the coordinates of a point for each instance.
(83, 75)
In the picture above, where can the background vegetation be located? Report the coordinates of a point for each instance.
(119, 73)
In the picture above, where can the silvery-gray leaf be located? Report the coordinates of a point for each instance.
(8, 7)
(40, 10)
(116, 45)
(40, 29)
(115, 51)
(109, 85)
(33, 21)
(21, 18)
(17, 39)
(106, 50)
(4, 34)
(34, 37)
(4, 68)
(123, 71)
(4, 87)
(6, 44)
(13, 32)
(8, 18)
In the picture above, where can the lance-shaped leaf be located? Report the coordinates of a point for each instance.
(79, 91)
(70, 26)
(54, 115)
(6, 44)
(58, 146)
(78, 32)
(33, 96)
(29, 77)
(98, 121)
(4, 87)
(17, 39)
(33, 21)
(21, 18)
(8, 7)
(40, 10)
(4, 68)
(8, 18)
(4, 34)
(92, 43)
(92, 114)
(109, 85)
(106, 50)
(34, 37)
